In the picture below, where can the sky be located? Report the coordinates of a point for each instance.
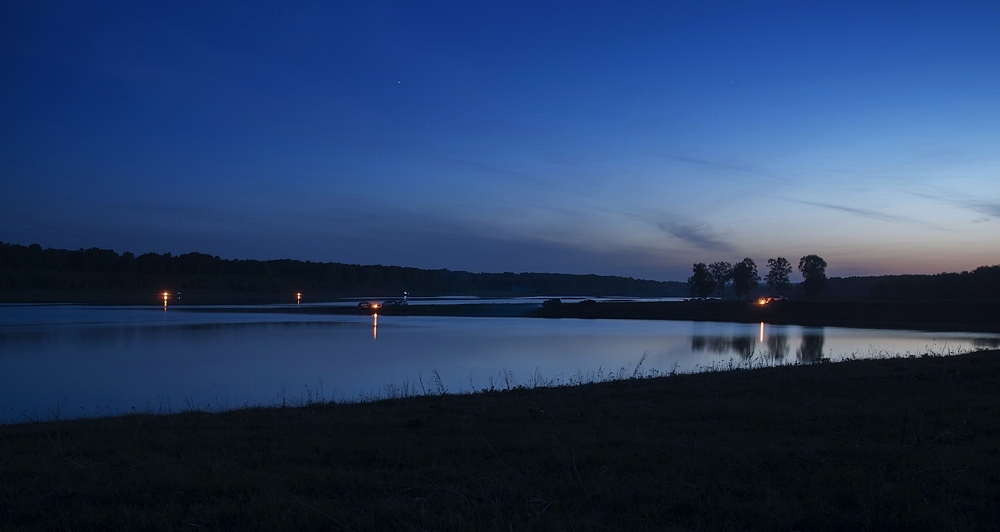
(616, 138)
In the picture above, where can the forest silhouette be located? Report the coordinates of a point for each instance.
(32, 268)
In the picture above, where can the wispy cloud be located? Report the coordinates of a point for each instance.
(988, 208)
(867, 213)
(698, 235)
(871, 214)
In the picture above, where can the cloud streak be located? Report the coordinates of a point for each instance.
(698, 235)
(867, 213)
(982, 207)
(989, 209)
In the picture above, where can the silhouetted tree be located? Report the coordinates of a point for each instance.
(777, 276)
(722, 273)
(701, 284)
(813, 269)
(745, 278)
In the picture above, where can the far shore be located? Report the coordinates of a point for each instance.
(930, 315)
(967, 316)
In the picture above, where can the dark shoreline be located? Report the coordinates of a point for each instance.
(929, 315)
(972, 316)
(884, 444)
(953, 316)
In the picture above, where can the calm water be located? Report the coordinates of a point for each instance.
(81, 361)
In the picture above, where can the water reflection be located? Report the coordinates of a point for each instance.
(777, 347)
(117, 358)
(986, 343)
(741, 345)
(773, 340)
(101, 337)
(811, 349)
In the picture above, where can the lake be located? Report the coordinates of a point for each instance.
(72, 361)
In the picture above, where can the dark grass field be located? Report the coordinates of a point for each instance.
(893, 444)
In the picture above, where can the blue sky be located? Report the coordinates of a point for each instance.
(623, 138)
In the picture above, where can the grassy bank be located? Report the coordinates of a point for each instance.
(881, 444)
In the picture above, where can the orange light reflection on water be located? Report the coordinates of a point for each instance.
(375, 326)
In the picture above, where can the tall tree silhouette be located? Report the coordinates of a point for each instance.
(777, 276)
(745, 278)
(701, 283)
(813, 269)
(722, 273)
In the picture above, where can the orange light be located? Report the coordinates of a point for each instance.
(374, 305)
(762, 301)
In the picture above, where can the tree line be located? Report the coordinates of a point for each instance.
(980, 283)
(711, 279)
(32, 267)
